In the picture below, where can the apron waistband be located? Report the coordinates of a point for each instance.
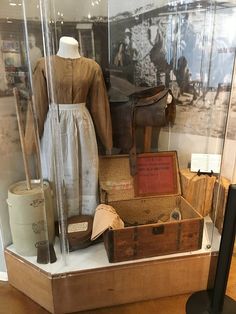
(66, 106)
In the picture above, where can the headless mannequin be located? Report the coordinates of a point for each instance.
(68, 48)
(75, 80)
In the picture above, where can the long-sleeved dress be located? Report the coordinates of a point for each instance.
(79, 90)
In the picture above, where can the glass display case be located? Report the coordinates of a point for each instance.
(117, 125)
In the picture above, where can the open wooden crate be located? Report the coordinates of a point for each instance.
(148, 231)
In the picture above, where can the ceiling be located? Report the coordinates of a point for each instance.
(72, 10)
(76, 10)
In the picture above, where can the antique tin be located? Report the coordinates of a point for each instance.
(79, 231)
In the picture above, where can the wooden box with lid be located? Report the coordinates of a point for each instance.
(158, 220)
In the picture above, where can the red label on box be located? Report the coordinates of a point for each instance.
(156, 174)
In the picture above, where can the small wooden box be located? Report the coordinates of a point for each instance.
(198, 190)
(144, 234)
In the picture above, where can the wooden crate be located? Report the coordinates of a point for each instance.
(198, 190)
(145, 235)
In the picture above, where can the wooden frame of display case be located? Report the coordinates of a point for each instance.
(113, 285)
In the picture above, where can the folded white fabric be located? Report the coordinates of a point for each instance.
(105, 218)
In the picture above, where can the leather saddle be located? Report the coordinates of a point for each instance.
(150, 107)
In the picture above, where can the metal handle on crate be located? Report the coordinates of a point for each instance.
(158, 230)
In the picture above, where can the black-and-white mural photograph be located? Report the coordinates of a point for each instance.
(182, 45)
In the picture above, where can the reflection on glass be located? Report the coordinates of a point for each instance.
(184, 45)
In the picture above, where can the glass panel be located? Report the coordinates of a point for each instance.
(26, 213)
(64, 152)
(180, 45)
(183, 45)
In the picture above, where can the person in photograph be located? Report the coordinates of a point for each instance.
(188, 40)
(34, 52)
(157, 53)
(119, 57)
(130, 50)
(130, 56)
(191, 45)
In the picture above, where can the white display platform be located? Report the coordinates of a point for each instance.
(95, 257)
(89, 281)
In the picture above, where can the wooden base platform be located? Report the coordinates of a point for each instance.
(107, 286)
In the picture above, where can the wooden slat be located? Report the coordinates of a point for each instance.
(110, 286)
(128, 284)
(210, 183)
(146, 209)
(36, 285)
(219, 201)
(198, 190)
(12, 301)
(147, 139)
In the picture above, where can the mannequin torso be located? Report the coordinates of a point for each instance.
(68, 48)
(75, 79)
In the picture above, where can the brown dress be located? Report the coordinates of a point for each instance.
(75, 81)
(77, 86)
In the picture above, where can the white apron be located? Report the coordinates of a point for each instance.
(80, 157)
